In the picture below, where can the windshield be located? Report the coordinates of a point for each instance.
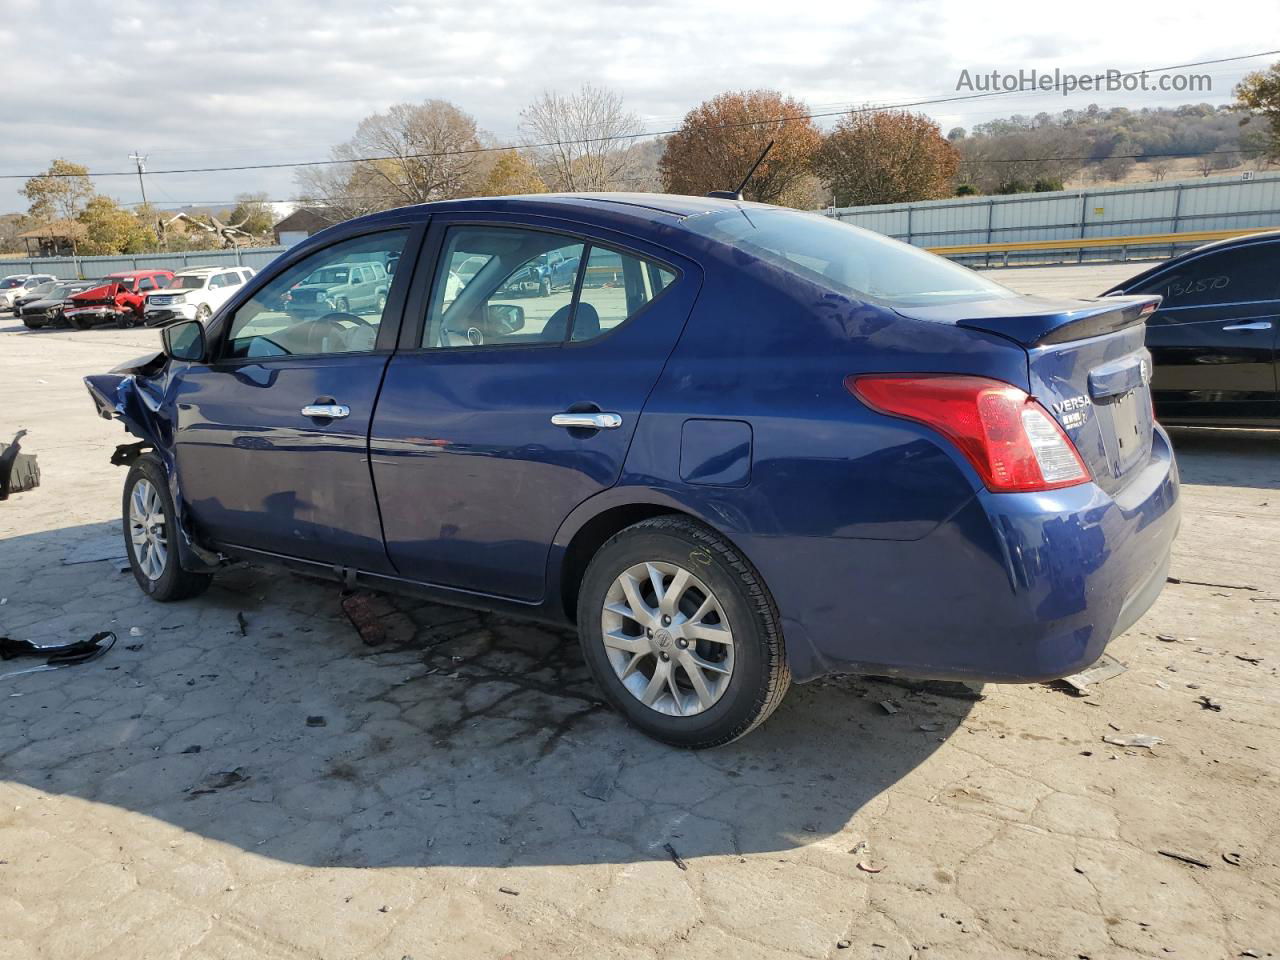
(186, 283)
(849, 259)
(9, 283)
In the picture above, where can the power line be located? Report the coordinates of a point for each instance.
(631, 136)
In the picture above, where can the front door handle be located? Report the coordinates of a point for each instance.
(588, 421)
(1252, 325)
(327, 411)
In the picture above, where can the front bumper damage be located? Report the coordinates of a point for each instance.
(96, 316)
(137, 394)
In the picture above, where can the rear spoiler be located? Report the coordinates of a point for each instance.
(1083, 319)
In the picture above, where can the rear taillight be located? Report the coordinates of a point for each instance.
(1011, 440)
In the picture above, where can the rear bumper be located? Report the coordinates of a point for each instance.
(1013, 588)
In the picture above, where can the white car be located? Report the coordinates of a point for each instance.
(194, 294)
(19, 285)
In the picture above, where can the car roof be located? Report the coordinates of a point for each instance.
(1246, 240)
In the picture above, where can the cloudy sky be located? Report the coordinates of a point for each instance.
(201, 84)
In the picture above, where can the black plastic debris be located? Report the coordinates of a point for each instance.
(675, 857)
(317, 722)
(18, 471)
(55, 656)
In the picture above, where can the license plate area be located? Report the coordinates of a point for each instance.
(1128, 441)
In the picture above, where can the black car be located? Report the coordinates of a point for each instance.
(1214, 339)
(47, 312)
(35, 293)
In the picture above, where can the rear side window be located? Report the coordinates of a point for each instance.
(614, 287)
(1245, 274)
(847, 259)
(504, 286)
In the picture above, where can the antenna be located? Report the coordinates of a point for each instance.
(737, 194)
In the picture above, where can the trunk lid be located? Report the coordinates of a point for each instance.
(1087, 363)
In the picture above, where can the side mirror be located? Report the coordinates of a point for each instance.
(184, 341)
(505, 317)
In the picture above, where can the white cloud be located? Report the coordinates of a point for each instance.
(212, 83)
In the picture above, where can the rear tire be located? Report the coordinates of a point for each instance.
(647, 669)
(151, 535)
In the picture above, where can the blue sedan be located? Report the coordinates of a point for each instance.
(744, 446)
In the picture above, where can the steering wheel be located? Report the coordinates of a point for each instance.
(345, 316)
(323, 330)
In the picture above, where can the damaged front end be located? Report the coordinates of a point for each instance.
(137, 394)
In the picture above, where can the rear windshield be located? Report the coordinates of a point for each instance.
(848, 259)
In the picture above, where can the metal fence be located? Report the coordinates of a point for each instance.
(1185, 206)
(68, 268)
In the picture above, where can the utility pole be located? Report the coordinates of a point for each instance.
(140, 160)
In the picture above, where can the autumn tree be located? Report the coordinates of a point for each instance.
(510, 174)
(110, 229)
(582, 141)
(721, 138)
(1258, 94)
(413, 153)
(886, 156)
(60, 193)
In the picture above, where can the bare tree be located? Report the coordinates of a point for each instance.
(413, 153)
(1207, 163)
(1159, 167)
(582, 141)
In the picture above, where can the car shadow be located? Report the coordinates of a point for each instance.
(258, 716)
(1228, 457)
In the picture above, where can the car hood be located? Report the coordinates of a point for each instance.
(93, 294)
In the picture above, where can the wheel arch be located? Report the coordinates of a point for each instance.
(594, 522)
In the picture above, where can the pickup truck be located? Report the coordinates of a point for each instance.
(118, 300)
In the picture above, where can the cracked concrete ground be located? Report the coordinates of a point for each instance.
(458, 791)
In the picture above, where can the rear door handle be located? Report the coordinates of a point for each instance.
(588, 421)
(327, 411)
(1252, 325)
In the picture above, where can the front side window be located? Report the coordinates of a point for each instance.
(1242, 275)
(502, 286)
(313, 307)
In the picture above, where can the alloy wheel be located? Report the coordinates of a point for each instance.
(147, 530)
(667, 638)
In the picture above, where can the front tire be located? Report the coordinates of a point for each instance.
(203, 313)
(681, 633)
(151, 532)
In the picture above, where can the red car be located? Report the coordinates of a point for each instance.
(118, 299)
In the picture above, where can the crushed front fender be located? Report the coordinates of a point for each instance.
(138, 395)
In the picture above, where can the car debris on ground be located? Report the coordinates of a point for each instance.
(19, 471)
(55, 656)
(1147, 740)
(1105, 668)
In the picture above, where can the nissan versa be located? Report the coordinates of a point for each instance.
(742, 445)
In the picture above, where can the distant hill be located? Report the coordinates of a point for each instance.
(1082, 147)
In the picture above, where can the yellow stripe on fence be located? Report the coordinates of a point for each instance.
(1150, 240)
